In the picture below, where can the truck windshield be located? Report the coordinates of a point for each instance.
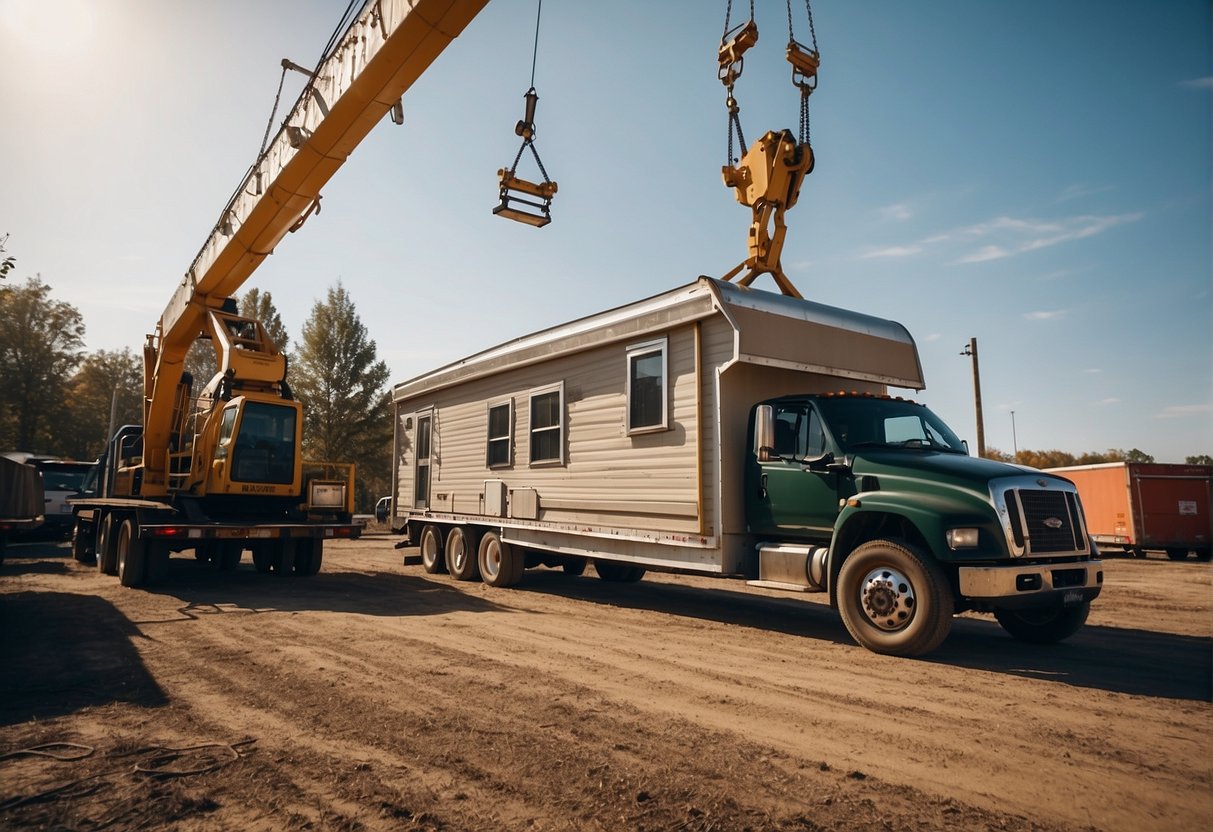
(886, 423)
(265, 445)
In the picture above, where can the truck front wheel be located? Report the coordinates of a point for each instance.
(894, 599)
(1046, 626)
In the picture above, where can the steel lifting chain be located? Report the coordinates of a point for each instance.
(733, 44)
(731, 57)
(804, 67)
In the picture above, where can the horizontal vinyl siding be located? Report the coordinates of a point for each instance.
(608, 478)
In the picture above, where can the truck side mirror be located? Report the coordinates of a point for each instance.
(764, 432)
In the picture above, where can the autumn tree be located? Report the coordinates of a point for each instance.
(108, 383)
(336, 374)
(40, 346)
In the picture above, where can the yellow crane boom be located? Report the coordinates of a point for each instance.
(384, 51)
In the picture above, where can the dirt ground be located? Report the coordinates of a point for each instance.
(374, 696)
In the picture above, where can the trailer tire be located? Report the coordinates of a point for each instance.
(267, 557)
(228, 555)
(157, 562)
(501, 563)
(107, 539)
(1177, 554)
(81, 535)
(462, 556)
(432, 559)
(894, 599)
(574, 566)
(1204, 555)
(132, 555)
(309, 556)
(1044, 626)
(620, 573)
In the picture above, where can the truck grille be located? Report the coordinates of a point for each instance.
(1045, 522)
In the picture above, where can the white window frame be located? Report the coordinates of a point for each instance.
(635, 351)
(423, 501)
(559, 427)
(508, 437)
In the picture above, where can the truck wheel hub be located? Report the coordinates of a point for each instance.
(888, 598)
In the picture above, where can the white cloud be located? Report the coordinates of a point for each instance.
(985, 254)
(1177, 411)
(1006, 236)
(891, 251)
(1044, 315)
(899, 212)
(1082, 189)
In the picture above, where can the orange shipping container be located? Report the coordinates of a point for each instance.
(1137, 506)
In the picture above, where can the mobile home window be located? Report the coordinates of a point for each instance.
(647, 394)
(547, 426)
(501, 434)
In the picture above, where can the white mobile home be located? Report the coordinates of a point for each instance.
(622, 436)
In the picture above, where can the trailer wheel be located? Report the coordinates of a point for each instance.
(227, 555)
(267, 556)
(894, 599)
(82, 552)
(431, 550)
(157, 556)
(620, 573)
(132, 555)
(501, 563)
(107, 540)
(1204, 555)
(309, 556)
(1047, 626)
(1177, 554)
(461, 554)
(574, 566)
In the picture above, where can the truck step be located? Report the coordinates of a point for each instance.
(782, 585)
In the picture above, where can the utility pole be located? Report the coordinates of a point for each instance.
(971, 350)
(1014, 439)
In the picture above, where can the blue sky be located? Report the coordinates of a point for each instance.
(1033, 174)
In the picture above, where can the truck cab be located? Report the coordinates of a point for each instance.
(875, 500)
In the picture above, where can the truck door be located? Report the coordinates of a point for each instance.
(784, 498)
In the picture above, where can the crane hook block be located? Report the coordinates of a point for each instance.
(732, 51)
(804, 63)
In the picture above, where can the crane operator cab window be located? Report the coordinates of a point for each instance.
(264, 446)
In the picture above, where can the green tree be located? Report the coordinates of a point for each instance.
(336, 374)
(1199, 459)
(40, 347)
(259, 306)
(107, 382)
(1138, 456)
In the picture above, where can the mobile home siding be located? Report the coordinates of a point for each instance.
(607, 477)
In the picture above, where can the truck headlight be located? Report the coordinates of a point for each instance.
(962, 538)
(327, 495)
